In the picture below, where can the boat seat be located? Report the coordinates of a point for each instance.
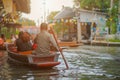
(26, 52)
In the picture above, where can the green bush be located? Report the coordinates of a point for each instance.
(114, 40)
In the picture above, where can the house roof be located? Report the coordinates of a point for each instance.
(65, 13)
(89, 11)
(23, 5)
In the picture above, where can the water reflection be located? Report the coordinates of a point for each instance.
(85, 62)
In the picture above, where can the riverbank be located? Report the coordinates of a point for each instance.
(101, 43)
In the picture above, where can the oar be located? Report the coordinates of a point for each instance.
(59, 48)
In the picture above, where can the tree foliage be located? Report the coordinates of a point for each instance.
(52, 15)
(59, 26)
(26, 22)
(90, 4)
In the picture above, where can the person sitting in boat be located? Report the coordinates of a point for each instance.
(3, 37)
(43, 40)
(23, 42)
(13, 38)
(2, 41)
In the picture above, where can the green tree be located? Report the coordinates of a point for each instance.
(26, 22)
(51, 16)
(50, 19)
(112, 21)
(59, 26)
(90, 4)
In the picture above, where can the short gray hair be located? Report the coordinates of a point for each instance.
(43, 26)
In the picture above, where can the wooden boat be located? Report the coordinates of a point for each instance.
(2, 58)
(69, 44)
(26, 58)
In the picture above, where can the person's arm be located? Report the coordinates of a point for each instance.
(35, 40)
(52, 40)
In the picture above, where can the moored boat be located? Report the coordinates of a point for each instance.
(26, 58)
(69, 44)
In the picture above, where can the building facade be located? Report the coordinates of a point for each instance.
(88, 20)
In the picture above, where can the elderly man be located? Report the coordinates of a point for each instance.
(44, 40)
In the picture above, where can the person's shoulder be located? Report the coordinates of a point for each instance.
(18, 40)
(48, 33)
(38, 34)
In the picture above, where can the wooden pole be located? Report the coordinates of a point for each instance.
(59, 48)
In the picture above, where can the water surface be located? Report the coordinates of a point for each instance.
(85, 63)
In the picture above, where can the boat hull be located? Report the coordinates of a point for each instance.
(26, 58)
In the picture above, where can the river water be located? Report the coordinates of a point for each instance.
(85, 63)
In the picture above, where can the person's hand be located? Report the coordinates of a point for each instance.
(60, 49)
(50, 31)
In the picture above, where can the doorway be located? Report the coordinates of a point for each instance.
(85, 30)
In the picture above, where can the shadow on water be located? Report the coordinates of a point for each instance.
(85, 62)
(22, 72)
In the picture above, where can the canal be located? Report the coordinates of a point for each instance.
(85, 63)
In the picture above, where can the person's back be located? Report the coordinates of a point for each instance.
(23, 46)
(43, 41)
(23, 43)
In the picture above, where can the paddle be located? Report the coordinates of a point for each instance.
(59, 48)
